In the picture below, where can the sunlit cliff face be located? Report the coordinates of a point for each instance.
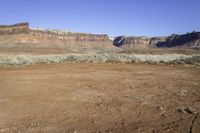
(22, 33)
(189, 40)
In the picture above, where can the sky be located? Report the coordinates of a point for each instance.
(112, 17)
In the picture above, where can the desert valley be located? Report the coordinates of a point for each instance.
(70, 82)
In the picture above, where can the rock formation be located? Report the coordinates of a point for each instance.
(21, 28)
(189, 40)
(15, 35)
(21, 35)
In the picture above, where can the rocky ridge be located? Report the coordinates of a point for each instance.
(22, 34)
(189, 40)
(18, 35)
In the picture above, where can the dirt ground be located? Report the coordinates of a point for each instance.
(100, 98)
(35, 50)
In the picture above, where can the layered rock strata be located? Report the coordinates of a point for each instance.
(189, 40)
(22, 34)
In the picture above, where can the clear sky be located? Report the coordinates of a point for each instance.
(113, 17)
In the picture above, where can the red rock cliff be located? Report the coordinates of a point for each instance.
(20, 28)
(22, 34)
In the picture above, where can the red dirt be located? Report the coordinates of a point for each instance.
(100, 98)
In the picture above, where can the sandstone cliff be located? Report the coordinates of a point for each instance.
(189, 40)
(21, 35)
(137, 42)
(21, 28)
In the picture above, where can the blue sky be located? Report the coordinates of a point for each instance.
(113, 17)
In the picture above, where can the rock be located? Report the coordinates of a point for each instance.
(20, 28)
(95, 122)
(183, 92)
(132, 42)
(187, 110)
(159, 108)
(99, 104)
(22, 34)
(189, 40)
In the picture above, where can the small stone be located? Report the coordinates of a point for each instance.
(163, 115)
(183, 92)
(99, 104)
(159, 108)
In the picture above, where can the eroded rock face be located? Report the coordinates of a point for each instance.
(20, 28)
(22, 34)
(15, 35)
(189, 40)
(80, 37)
(156, 40)
(137, 42)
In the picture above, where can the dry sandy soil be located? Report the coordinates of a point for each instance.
(36, 50)
(100, 98)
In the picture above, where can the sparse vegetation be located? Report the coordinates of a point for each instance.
(100, 58)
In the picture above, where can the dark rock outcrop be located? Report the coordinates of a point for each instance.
(189, 40)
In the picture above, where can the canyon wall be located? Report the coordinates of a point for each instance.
(137, 42)
(69, 36)
(189, 40)
(21, 34)
(21, 28)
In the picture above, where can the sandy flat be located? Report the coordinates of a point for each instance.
(100, 98)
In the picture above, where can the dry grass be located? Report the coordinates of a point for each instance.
(22, 59)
